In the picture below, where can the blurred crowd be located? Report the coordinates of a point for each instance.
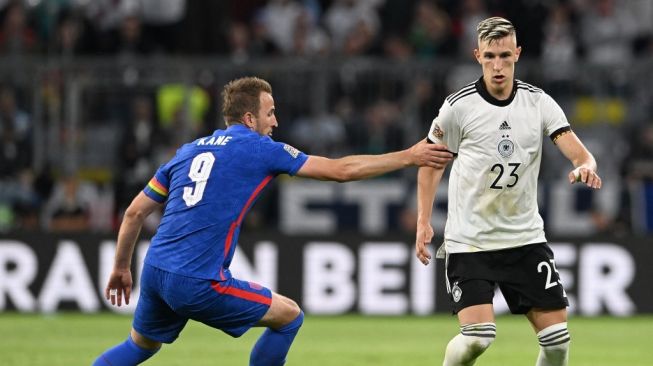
(247, 29)
(138, 130)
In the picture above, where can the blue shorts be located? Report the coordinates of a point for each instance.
(168, 300)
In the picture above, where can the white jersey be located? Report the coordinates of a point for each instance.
(493, 180)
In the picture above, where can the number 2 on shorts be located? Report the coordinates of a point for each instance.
(549, 273)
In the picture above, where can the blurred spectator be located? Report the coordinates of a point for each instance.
(128, 41)
(380, 130)
(397, 16)
(26, 202)
(249, 44)
(15, 135)
(607, 33)
(528, 18)
(559, 48)
(239, 42)
(69, 206)
(181, 112)
(636, 209)
(205, 27)
(261, 44)
(360, 40)
(470, 13)
(16, 36)
(162, 21)
(47, 15)
(69, 37)
(422, 104)
(141, 150)
(639, 162)
(352, 25)
(244, 10)
(308, 38)
(280, 17)
(106, 16)
(431, 31)
(397, 48)
(330, 129)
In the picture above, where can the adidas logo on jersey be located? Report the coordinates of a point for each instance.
(504, 126)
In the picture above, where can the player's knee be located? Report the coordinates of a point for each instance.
(479, 336)
(293, 326)
(299, 320)
(292, 310)
(289, 314)
(467, 346)
(554, 342)
(479, 345)
(144, 342)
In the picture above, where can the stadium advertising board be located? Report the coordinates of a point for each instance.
(326, 274)
(376, 207)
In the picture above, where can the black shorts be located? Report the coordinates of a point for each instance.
(526, 275)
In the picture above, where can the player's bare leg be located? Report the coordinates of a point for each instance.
(283, 320)
(552, 334)
(477, 332)
(282, 311)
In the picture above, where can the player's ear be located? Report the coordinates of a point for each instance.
(477, 55)
(517, 53)
(248, 119)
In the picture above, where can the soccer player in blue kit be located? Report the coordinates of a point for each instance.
(207, 189)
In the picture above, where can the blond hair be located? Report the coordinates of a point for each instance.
(495, 28)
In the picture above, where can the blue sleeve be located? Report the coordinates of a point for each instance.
(157, 188)
(281, 157)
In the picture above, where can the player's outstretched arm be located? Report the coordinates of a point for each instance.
(356, 167)
(120, 281)
(428, 180)
(584, 164)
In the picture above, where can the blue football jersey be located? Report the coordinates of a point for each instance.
(208, 187)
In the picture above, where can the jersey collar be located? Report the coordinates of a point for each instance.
(238, 127)
(482, 90)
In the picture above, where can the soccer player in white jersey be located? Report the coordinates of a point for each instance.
(494, 234)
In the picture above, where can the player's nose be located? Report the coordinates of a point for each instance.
(496, 64)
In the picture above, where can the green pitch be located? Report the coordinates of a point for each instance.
(74, 339)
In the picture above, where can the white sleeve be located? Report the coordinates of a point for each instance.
(445, 129)
(554, 120)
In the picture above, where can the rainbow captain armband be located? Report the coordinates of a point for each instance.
(155, 190)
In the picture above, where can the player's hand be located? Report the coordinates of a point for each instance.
(120, 284)
(433, 155)
(585, 175)
(423, 238)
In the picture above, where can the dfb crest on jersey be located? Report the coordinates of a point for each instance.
(456, 292)
(506, 148)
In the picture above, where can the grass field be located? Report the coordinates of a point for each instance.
(75, 339)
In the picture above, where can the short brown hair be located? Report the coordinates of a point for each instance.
(242, 95)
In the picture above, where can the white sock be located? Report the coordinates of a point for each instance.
(472, 341)
(554, 345)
